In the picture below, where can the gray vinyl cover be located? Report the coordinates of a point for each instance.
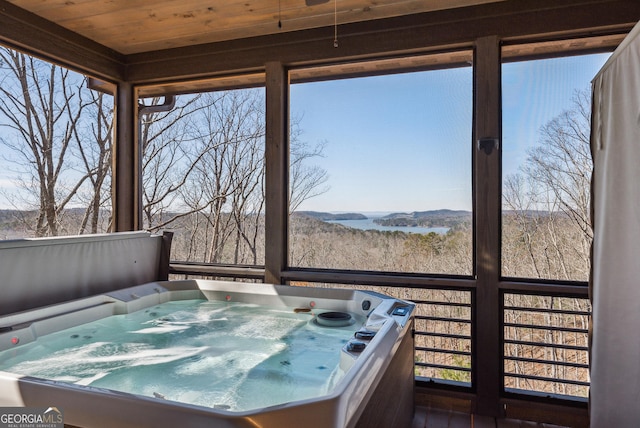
(44, 271)
(615, 279)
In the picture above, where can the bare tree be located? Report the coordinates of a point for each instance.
(166, 140)
(562, 162)
(230, 174)
(306, 179)
(95, 159)
(204, 175)
(40, 108)
(548, 201)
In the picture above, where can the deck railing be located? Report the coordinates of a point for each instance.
(443, 325)
(546, 344)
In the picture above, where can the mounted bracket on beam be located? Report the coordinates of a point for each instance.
(168, 105)
(101, 86)
(488, 144)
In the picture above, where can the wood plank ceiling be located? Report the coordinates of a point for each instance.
(136, 26)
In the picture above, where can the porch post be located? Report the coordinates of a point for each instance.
(487, 156)
(277, 172)
(126, 171)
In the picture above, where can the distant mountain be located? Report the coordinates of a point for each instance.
(531, 213)
(11, 219)
(430, 214)
(433, 218)
(331, 217)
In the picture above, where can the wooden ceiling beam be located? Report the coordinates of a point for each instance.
(446, 29)
(513, 21)
(134, 26)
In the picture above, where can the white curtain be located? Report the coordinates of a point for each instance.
(615, 280)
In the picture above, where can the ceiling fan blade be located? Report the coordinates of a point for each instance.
(315, 2)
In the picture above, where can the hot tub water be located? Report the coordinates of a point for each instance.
(224, 355)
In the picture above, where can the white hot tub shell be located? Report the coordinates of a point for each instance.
(376, 389)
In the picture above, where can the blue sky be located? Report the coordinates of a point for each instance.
(392, 142)
(403, 142)
(533, 93)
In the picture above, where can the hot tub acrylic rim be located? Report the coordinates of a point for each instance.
(347, 359)
(345, 402)
(135, 298)
(27, 326)
(128, 300)
(39, 322)
(337, 391)
(356, 383)
(347, 399)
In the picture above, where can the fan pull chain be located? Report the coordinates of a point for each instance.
(279, 14)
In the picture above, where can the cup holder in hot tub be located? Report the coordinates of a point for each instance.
(334, 319)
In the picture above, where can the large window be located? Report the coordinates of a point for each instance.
(387, 183)
(546, 230)
(55, 150)
(203, 175)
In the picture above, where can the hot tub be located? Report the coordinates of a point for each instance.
(214, 353)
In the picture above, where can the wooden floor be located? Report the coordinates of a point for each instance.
(436, 418)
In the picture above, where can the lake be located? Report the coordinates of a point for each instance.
(368, 224)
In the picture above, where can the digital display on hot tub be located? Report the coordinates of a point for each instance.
(224, 355)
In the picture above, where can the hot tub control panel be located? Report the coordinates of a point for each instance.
(402, 312)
